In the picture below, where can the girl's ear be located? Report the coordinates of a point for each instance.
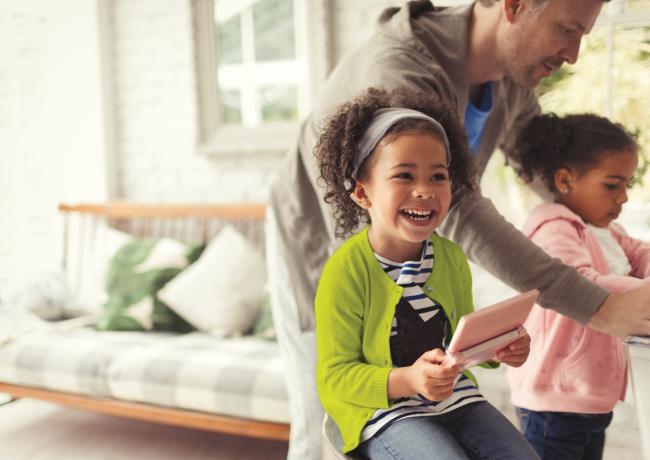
(564, 180)
(511, 8)
(359, 195)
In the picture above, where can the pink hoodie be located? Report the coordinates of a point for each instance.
(572, 368)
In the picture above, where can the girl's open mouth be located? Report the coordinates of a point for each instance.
(418, 215)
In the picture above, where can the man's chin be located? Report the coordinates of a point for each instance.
(528, 80)
(528, 83)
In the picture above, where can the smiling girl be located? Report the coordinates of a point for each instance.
(574, 375)
(389, 299)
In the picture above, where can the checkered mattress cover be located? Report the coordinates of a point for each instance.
(240, 376)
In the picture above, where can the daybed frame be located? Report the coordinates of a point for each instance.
(158, 220)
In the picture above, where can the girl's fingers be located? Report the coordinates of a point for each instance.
(438, 380)
(434, 356)
(521, 343)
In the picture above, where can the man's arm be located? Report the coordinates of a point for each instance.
(496, 245)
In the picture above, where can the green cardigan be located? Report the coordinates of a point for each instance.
(355, 304)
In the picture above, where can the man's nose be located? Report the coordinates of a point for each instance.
(572, 50)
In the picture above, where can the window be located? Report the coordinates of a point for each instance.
(258, 69)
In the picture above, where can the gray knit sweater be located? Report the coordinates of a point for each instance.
(424, 48)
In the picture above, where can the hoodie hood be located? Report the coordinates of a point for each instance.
(551, 211)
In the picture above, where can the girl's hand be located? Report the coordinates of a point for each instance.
(516, 353)
(427, 377)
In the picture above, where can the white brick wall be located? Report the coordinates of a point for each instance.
(52, 145)
(157, 114)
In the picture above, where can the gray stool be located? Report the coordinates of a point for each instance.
(332, 441)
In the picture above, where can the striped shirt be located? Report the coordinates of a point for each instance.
(419, 325)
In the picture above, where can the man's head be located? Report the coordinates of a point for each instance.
(537, 36)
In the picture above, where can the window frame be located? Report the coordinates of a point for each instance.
(215, 138)
(617, 17)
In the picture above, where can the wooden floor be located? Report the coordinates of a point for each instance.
(34, 430)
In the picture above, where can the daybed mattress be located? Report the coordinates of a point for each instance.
(241, 376)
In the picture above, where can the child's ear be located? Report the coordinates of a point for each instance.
(563, 180)
(510, 9)
(359, 195)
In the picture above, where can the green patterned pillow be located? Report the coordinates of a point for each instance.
(135, 275)
(263, 326)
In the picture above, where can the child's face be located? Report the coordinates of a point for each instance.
(597, 195)
(407, 192)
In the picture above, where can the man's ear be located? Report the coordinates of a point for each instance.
(563, 180)
(511, 8)
(359, 195)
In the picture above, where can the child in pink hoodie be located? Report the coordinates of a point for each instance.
(566, 391)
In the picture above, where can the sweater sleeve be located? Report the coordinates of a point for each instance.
(496, 245)
(341, 371)
(560, 238)
(637, 252)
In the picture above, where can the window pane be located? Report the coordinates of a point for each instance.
(279, 103)
(580, 87)
(230, 106)
(273, 30)
(230, 46)
(637, 5)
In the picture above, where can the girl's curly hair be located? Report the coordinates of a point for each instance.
(549, 142)
(338, 146)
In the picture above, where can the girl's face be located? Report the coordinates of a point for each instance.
(598, 194)
(406, 191)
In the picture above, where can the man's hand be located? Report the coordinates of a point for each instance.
(516, 353)
(624, 314)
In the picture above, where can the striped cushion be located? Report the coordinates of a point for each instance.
(236, 376)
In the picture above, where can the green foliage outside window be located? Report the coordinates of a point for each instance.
(274, 30)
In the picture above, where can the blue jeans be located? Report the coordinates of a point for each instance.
(563, 435)
(475, 431)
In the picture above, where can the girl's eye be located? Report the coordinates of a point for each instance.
(440, 177)
(404, 175)
(611, 186)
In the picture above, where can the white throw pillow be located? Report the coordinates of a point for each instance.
(88, 261)
(221, 292)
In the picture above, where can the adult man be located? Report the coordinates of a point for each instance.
(484, 59)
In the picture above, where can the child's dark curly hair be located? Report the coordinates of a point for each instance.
(549, 142)
(338, 146)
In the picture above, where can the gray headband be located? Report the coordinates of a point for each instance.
(382, 121)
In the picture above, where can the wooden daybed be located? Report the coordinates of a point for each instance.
(189, 223)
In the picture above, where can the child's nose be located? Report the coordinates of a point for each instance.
(424, 191)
